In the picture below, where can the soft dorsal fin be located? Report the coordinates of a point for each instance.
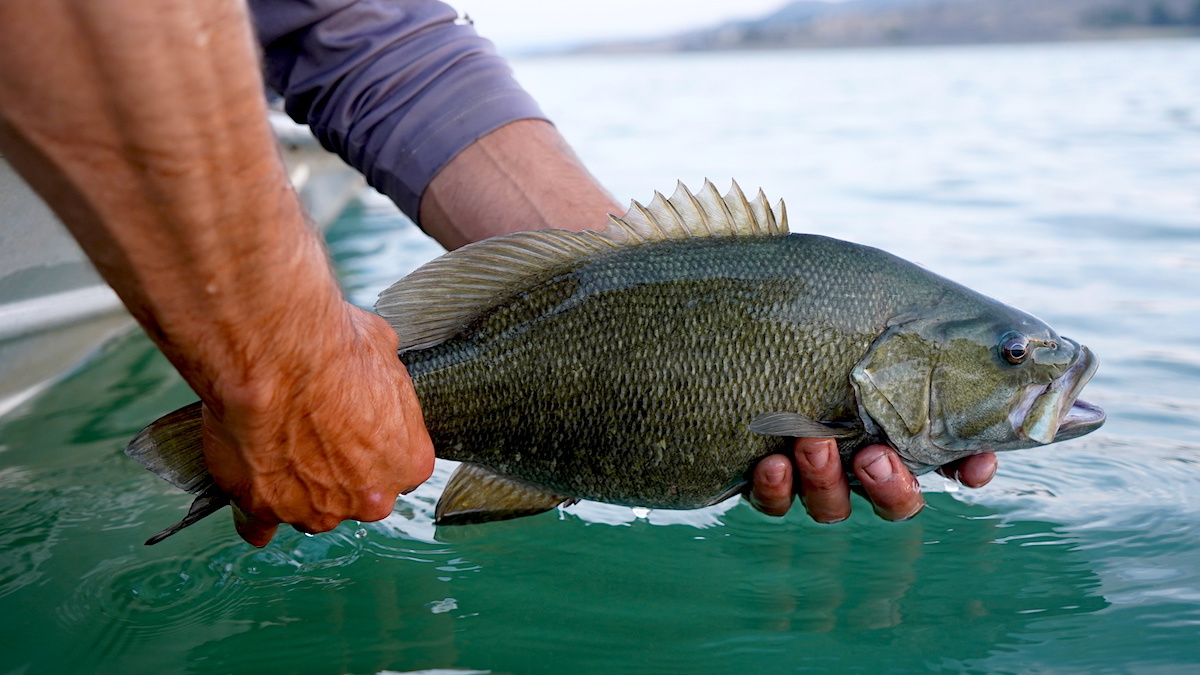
(434, 303)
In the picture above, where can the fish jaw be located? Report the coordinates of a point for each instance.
(1054, 412)
(1082, 418)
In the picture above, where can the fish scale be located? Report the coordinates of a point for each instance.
(632, 378)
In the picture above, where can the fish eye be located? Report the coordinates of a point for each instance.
(1014, 348)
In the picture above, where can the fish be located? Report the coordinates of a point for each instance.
(654, 363)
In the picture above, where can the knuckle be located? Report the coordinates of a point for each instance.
(421, 469)
(376, 506)
(906, 515)
(821, 483)
(897, 508)
(774, 508)
(377, 328)
(830, 517)
(375, 513)
(771, 493)
(317, 524)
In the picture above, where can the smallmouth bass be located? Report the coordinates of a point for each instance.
(654, 363)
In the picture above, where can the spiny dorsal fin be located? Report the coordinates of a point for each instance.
(477, 494)
(705, 214)
(434, 303)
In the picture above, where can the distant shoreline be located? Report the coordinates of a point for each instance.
(589, 51)
(874, 45)
(810, 25)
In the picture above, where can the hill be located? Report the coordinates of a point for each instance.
(858, 23)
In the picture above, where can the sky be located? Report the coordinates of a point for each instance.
(519, 25)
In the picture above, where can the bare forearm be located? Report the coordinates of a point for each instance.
(523, 176)
(144, 127)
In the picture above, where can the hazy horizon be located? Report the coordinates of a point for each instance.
(524, 25)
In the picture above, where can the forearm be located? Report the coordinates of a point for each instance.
(522, 176)
(144, 127)
(397, 89)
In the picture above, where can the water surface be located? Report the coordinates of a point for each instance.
(1062, 179)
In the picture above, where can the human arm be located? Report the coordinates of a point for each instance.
(144, 127)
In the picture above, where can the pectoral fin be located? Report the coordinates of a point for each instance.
(477, 494)
(795, 425)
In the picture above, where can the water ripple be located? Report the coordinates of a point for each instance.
(152, 598)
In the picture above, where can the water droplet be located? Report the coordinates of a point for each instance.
(308, 534)
(360, 533)
(640, 512)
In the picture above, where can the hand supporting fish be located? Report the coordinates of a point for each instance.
(714, 338)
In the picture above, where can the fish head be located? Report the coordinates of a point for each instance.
(985, 380)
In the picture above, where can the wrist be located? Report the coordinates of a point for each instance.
(269, 324)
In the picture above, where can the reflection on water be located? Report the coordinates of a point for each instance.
(699, 590)
(1058, 178)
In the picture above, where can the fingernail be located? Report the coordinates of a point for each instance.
(774, 475)
(881, 469)
(817, 454)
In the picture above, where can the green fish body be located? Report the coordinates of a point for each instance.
(653, 364)
(633, 376)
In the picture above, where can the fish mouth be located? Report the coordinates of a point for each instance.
(1054, 412)
(1082, 418)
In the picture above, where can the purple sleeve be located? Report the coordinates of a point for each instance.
(395, 87)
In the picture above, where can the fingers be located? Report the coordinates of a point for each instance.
(255, 531)
(259, 531)
(974, 471)
(823, 487)
(891, 487)
(771, 490)
(818, 477)
(376, 506)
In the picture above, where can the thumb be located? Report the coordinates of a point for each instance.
(256, 532)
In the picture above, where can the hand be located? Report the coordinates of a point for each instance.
(338, 440)
(825, 491)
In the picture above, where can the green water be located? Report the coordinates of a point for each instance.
(545, 594)
(1059, 178)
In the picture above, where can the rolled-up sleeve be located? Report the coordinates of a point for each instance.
(396, 87)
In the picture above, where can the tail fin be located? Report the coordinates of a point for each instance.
(172, 448)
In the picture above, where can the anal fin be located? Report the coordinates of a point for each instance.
(477, 494)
